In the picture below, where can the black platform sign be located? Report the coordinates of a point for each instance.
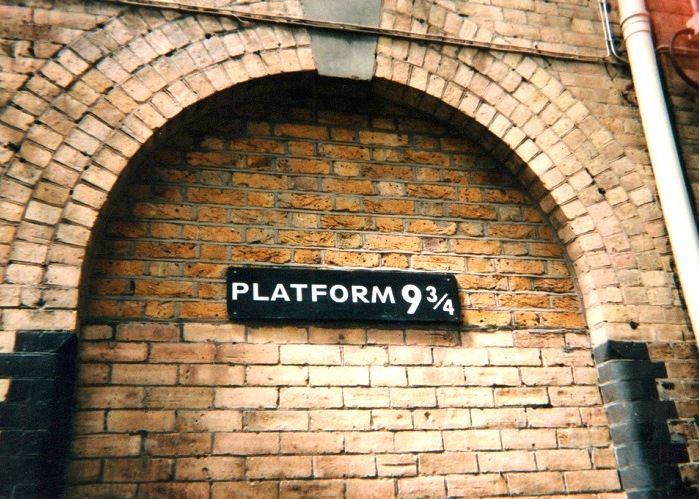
(311, 294)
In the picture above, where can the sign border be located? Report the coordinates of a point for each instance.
(449, 281)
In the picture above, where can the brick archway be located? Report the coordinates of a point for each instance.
(105, 97)
(344, 410)
(574, 167)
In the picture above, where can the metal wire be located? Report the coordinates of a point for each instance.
(672, 52)
(609, 38)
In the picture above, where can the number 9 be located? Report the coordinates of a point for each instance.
(412, 295)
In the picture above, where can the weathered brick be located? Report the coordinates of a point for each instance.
(209, 468)
(171, 444)
(340, 420)
(246, 397)
(541, 482)
(448, 463)
(276, 420)
(279, 467)
(215, 420)
(106, 445)
(418, 441)
(339, 376)
(311, 443)
(137, 470)
(344, 466)
(244, 443)
(308, 398)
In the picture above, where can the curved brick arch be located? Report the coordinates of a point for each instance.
(541, 157)
(511, 96)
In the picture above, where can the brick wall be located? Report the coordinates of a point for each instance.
(85, 85)
(174, 399)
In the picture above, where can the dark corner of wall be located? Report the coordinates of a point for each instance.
(647, 454)
(36, 414)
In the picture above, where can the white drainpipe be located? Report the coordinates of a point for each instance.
(672, 189)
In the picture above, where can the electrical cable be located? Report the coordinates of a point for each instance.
(672, 52)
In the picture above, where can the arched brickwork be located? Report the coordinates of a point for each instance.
(571, 158)
(112, 91)
(327, 173)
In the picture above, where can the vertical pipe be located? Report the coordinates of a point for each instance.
(672, 189)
